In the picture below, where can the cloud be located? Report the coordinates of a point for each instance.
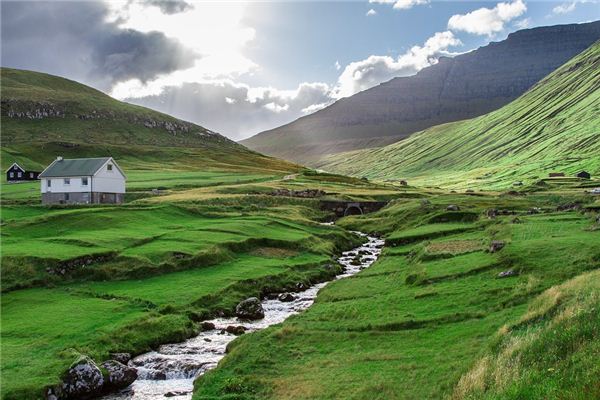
(235, 109)
(337, 65)
(401, 4)
(75, 39)
(170, 6)
(568, 7)
(361, 75)
(371, 12)
(487, 21)
(523, 23)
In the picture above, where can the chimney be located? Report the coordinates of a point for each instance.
(59, 158)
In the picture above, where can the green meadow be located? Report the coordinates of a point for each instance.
(423, 319)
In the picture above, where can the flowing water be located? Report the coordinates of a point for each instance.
(170, 371)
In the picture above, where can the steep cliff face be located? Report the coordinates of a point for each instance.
(462, 87)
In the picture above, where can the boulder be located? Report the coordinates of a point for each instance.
(123, 358)
(235, 330)
(534, 210)
(300, 286)
(453, 207)
(250, 309)
(207, 326)
(286, 297)
(82, 380)
(496, 246)
(119, 375)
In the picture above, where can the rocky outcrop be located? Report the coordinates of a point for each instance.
(250, 309)
(462, 87)
(119, 376)
(14, 108)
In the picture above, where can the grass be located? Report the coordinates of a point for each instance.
(383, 334)
(150, 274)
(534, 135)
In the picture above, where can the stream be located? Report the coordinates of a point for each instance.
(170, 371)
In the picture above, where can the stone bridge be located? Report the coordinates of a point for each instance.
(344, 208)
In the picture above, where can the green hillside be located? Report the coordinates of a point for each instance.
(555, 126)
(44, 116)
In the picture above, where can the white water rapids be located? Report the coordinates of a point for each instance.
(170, 371)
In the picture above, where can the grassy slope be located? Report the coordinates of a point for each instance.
(555, 126)
(173, 266)
(412, 324)
(94, 124)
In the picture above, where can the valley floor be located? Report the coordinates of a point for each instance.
(430, 319)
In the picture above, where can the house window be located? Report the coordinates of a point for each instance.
(19, 174)
(67, 181)
(109, 167)
(84, 181)
(66, 196)
(12, 174)
(31, 174)
(49, 182)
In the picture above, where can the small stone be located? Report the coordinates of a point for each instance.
(286, 297)
(236, 330)
(496, 246)
(207, 326)
(506, 274)
(453, 207)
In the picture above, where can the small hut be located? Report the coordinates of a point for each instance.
(584, 175)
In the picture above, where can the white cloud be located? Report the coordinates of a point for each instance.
(401, 4)
(487, 21)
(407, 4)
(337, 65)
(361, 75)
(229, 100)
(523, 23)
(371, 12)
(564, 8)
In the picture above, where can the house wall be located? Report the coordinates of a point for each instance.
(109, 181)
(82, 198)
(59, 186)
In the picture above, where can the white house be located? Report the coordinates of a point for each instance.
(83, 181)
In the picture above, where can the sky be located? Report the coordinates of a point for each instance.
(239, 68)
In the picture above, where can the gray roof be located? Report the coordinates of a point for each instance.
(74, 167)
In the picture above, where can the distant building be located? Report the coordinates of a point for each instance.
(83, 181)
(404, 183)
(556, 174)
(584, 175)
(16, 173)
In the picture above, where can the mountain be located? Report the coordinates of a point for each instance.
(44, 116)
(462, 87)
(554, 127)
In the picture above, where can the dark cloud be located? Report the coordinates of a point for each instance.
(74, 39)
(170, 6)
